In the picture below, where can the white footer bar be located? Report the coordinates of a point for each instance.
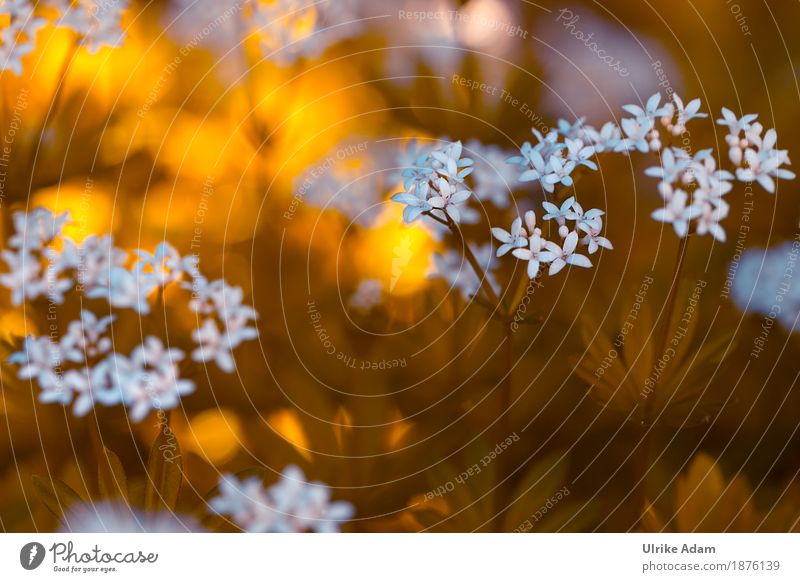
(389, 557)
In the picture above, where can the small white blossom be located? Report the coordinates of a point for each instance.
(565, 255)
(651, 111)
(677, 213)
(367, 295)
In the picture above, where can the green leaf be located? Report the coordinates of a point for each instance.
(164, 472)
(56, 495)
(111, 477)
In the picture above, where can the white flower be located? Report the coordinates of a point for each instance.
(651, 110)
(292, 505)
(560, 171)
(155, 383)
(292, 29)
(41, 359)
(307, 506)
(565, 255)
(684, 115)
(579, 153)
(448, 162)
(93, 259)
(126, 289)
(448, 196)
(764, 165)
(247, 503)
(84, 338)
(35, 229)
(608, 139)
(537, 168)
(96, 22)
(678, 213)
(560, 215)
(517, 237)
(97, 385)
(24, 276)
(708, 221)
(166, 264)
(637, 132)
(213, 345)
(570, 131)
(534, 254)
(19, 37)
(672, 166)
(593, 240)
(416, 201)
(367, 295)
(119, 517)
(590, 218)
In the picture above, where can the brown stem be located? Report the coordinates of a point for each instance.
(476, 266)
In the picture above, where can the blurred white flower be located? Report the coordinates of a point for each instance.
(367, 295)
(97, 23)
(119, 517)
(19, 37)
(293, 29)
(453, 268)
(492, 177)
(292, 505)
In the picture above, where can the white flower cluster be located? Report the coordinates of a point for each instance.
(291, 29)
(691, 186)
(527, 243)
(764, 283)
(292, 505)
(754, 155)
(97, 23)
(435, 184)
(44, 263)
(19, 37)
